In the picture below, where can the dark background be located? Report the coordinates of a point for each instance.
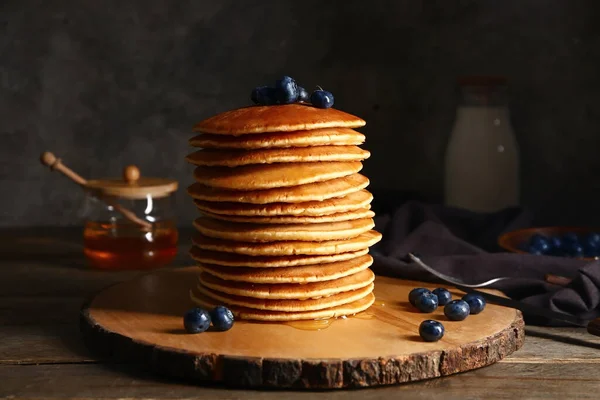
(108, 83)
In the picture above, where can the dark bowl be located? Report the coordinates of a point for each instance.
(515, 241)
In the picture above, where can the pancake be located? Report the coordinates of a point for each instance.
(279, 118)
(288, 291)
(288, 248)
(315, 137)
(318, 191)
(272, 232)
(245, 313)
(236, 158)
(353, 201)
(295, 274)
(221, 259)
(257, 177)
(296, 219)
(287, 305)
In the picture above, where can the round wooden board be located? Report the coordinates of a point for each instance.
(141, 320)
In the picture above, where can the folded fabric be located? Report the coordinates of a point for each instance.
(463, 245)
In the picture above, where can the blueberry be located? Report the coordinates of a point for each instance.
(555, 244)
(457, 310)
(443, 295)
(539, 242)
(427, 302)
(475, 301)
(287, 90)
(573, 249)
(591, 240)
(431, 331)
(303, 95)
(321, 99)
(196, 320)
(264, 95)
(222, 318)
(570, 238)
(415, 293)
(534, 250)
(577, 251)
(255, 94)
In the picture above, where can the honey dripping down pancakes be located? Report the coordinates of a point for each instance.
(285, 219)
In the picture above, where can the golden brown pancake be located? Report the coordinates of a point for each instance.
(257, 177)
(277, 232)
(296, 219)
(237, 158)
(221, 259)
(295, 274)
(295, 194)
(287, 305)
(288, 248)
(280, 118)
(245, 313)
(352, 201)
(315, 137)
(288, 291)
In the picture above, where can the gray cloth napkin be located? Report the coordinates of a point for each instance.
(462, 244)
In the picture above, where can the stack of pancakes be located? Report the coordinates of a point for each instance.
(286, 222)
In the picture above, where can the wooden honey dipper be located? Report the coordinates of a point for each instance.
(131, 174)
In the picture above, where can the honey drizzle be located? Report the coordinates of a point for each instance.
(311, 325)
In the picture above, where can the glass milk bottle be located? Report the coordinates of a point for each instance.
(482, 156)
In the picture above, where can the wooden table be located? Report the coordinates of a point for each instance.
(44, 281)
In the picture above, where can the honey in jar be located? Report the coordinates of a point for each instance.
(130, 222)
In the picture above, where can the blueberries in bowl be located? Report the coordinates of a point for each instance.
(569, 244)
(539, 244)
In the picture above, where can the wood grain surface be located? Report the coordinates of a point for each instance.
(43, 283)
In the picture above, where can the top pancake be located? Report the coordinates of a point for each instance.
(315, 137)
(279, 118)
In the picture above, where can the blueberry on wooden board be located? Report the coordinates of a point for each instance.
(427, 302)
(415, 293)
(431, 331)
(196, 320)
(443, 295)
(457, 310)
(222, 318)
(476, 302)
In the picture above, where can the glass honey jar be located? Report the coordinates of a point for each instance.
(129, 222)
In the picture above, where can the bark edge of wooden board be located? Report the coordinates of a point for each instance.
(301, 373)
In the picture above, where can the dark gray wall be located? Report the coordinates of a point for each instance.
(107, 83)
